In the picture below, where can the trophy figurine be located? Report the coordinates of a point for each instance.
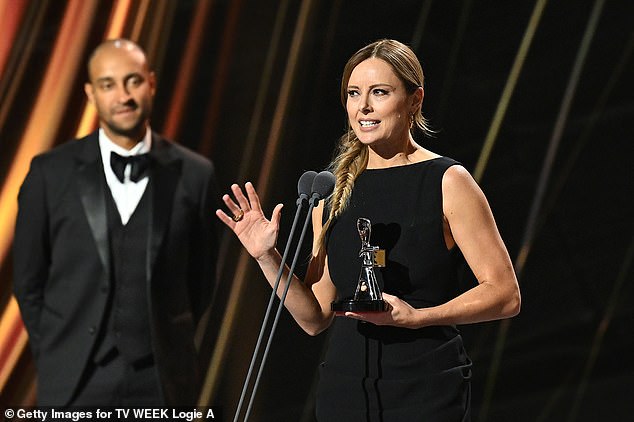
(367, 297)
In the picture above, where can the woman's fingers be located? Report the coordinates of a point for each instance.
(239, 205)
(226, 219)
(390, 301)
(254, 199)
(243, 202)
(277, 215)
(231, 204)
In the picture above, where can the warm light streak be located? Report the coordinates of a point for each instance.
(120, 11)
(10, 83)
(263, 91)
(141, 14)
(11, 12)
(542, 185)
(275, 133)
(483, 160)
(47, 111)
(155, 38)
(187, 70)
(88, 121)
(220, 77)
(226, 332)
(509, 88)
(14, 340)
(560, 124)
(40, 131)
(216, 366)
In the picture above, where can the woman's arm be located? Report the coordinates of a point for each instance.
(309, 301)
(470, 225)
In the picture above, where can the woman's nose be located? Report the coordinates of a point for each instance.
(364, 105)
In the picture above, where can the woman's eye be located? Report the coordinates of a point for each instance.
(378, 91)
(352, 93)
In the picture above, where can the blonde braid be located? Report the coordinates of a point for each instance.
(350, 162)
(352, 156)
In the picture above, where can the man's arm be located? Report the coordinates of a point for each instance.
(206, 248)
(31, 251)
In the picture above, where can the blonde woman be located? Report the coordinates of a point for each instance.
(407, 363)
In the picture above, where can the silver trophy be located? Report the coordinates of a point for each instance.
(367, 297)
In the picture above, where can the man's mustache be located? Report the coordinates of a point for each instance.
(130, 104)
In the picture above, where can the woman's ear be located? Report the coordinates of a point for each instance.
(417, 99)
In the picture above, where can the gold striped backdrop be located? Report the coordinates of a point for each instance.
(253, 85)
(140, 20)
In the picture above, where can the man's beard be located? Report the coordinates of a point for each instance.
(137, 130)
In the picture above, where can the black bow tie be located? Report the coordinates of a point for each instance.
(139, 163)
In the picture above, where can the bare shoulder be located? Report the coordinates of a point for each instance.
(457, 178)
(460, 190)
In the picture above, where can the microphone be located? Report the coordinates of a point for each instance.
(304, 191)
(305, 185)
(322, 186)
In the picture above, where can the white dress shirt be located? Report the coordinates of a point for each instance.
(126, 195)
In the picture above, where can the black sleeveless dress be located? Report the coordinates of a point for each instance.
(389, 374)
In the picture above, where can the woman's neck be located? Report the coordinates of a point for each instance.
(409, 153)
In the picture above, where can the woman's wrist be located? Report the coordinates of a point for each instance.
(269, 257)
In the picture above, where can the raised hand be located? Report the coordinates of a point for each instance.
(257, 234)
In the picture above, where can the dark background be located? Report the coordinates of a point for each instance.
(263, 103)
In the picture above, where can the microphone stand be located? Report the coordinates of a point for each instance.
(300, 203)
(313, 202)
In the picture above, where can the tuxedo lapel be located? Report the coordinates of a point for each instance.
(166, 170)
(90, 182)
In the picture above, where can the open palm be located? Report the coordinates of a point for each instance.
(256, 233)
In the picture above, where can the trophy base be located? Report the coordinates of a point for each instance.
(358, 306)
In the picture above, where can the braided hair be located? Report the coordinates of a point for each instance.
(351, 156)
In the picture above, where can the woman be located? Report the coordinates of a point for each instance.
(408, 363)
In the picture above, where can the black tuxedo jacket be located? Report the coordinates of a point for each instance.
(62, 263)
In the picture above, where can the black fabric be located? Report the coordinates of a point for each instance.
(129, 314)
(116, 382)
(62, 270)
(140, 164)
(389, 374)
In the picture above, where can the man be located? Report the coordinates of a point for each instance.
(115, 259)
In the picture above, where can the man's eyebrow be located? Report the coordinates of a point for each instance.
(125, 78)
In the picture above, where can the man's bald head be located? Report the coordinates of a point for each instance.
(116, 46)
(121, 87)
